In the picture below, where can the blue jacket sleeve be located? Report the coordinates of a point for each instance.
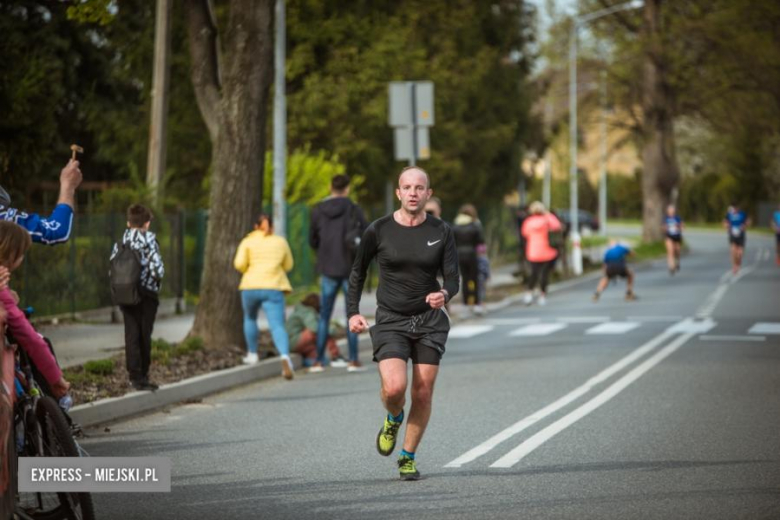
(52, 230)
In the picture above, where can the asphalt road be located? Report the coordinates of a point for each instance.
(666, 407)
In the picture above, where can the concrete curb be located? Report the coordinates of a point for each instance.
(135, 403)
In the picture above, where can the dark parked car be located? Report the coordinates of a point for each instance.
(586, 219)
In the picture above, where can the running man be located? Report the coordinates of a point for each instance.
(673, 227)
(776, 227)
(410, 248)
(615, 265)
(736, 222)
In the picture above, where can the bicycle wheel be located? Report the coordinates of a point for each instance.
(51, 437)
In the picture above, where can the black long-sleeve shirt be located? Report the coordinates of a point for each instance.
(409, 259)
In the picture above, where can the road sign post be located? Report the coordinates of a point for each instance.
(410, 115)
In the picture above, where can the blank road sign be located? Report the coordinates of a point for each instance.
(400, 113)
(403, 143)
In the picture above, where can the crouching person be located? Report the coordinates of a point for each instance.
(302, 327)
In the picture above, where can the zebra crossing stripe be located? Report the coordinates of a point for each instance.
(538, 329)
(469, 331)
(765, 328)
(615, 327)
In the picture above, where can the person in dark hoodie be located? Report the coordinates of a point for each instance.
(469, 237)
(337, 224)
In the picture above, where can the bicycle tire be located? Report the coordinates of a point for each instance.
(57, 441)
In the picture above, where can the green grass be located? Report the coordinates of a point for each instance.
(594, 241)
(82, 378)
(649, 250)
(102, 367)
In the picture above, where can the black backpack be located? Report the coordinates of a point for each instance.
(353, 233)
(125, 276)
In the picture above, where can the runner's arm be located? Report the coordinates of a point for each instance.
(449, 265)
(357, 278)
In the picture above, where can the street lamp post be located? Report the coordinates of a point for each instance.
(578, 22)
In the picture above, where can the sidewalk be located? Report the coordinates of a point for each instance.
(77, 343)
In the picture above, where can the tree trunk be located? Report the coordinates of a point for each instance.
(232, 89)
(660, 173)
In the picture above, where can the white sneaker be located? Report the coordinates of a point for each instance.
(542, 301)
(479, 310)
(250, 359)
(287, 367)
(338, 363)
(528, 299)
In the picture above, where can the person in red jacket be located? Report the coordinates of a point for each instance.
(14, 243)
(538, 251)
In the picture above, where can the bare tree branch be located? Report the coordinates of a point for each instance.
(203, 39)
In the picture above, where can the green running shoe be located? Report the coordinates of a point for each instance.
(385, 439)
(408, 469)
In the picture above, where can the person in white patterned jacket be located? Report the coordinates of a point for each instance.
(139, 318)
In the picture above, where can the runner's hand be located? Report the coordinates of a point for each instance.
(435, 300)
(358, 324)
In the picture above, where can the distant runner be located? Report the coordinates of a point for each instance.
(615, 265)
(736, 222)
(673, 227)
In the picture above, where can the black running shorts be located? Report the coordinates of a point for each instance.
(614, 270)
(420, 338)
(675, 238)
(738, 240)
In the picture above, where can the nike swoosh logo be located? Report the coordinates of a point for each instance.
(431, 243)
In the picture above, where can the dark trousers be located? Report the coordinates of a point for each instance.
(139, 322)
(540, 273)
(469, 275)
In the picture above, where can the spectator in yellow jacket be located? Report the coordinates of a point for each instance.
(265, 259)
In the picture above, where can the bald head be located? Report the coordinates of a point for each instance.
(412, 175)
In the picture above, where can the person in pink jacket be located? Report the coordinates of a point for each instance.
(14, 242)
(538, 251)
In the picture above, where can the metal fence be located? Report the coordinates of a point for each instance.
(73, 277)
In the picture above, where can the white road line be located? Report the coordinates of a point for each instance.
(540, 414)
(732, 338)
(615, 327)
(525, 448)
(767, 255)
(758, 255)
(539, 329)
(765, 328)
(584, 319)
(469, 331)
(712, 301)
(689, 326)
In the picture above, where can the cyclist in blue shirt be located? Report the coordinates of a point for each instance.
(736, 223)
(55, 228)
(614, 266)
(776, 227)
(673, 228)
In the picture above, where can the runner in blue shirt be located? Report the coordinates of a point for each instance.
(736, 222)
(776, 227)
(55, 228)
(614, 266)
(673, 227)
